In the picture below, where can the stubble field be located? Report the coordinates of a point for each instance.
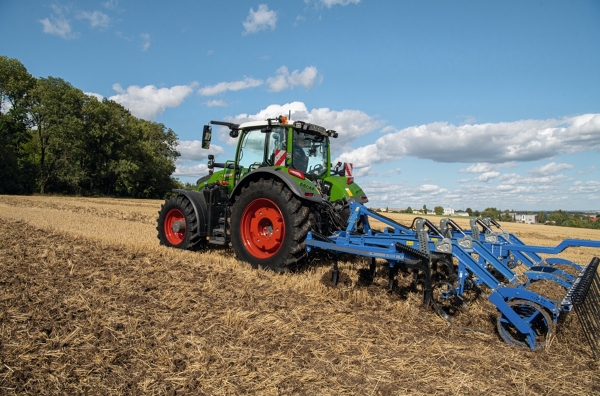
(91, 304)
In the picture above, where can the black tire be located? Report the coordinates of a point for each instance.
(283, 229)
(179, 208)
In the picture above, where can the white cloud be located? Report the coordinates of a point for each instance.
(146, 38)
(349, 124)
(230, 86)
(396, 171)
(110, 4)
(191, 150)
(96, 18)
(331, 3)
(216, 103)
(487, 176)
(482, 167)
(284, 80)
(191, 170)
(148, 102)
(95, 95)
(549, 169)
(57, 24)
(589, 170)
(258, 20)
(587, 187)
(361, 157)
(498, 143)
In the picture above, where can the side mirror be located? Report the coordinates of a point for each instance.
(206, 136)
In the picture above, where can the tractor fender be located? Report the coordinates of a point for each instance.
(200, 208)
(279, 174)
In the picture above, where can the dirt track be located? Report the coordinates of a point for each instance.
(91, 304)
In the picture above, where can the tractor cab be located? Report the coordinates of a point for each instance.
(297, 151)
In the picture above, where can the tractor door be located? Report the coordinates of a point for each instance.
(259, 147)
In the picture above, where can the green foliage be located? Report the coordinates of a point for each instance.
(189, 186)
(505, 216)
(469, 211)
(57, 138)
(15, 169)
(408, 210)
(424, 209)
(438, 210)
(491, 213)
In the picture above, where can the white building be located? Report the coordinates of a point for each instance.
(527, 218)
(448, 211)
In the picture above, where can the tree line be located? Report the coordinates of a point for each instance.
(56, 139)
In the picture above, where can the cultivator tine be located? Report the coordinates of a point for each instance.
(372, 268)
(335, 272)
(585, 298)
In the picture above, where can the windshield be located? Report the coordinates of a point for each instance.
(309, 153)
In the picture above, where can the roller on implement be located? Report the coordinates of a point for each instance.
(280, 200)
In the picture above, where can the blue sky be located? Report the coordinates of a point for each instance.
(461, 103)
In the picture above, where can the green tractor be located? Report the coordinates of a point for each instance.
(280, 186)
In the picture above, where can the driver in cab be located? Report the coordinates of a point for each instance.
(299, 157)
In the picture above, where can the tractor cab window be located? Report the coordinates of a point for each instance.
(309, 153)
(252, 150)
(276, 146)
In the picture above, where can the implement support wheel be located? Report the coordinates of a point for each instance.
(539, 321)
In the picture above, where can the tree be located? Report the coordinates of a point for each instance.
(57, 114)
(542, 217)
(56, 137)
(469, 211)
(476, 213)
(438, 210)
(424, 209)
(505, 216)
(492, 213)
(408, 210)
(15, 84)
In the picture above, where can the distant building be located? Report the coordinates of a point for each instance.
(448, 211)
(461, 213)
(526, 218)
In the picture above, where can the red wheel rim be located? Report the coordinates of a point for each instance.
(174, 238)
(262, 228)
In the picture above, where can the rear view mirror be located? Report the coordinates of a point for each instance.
(206, 135)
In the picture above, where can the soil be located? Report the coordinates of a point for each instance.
(93, 310)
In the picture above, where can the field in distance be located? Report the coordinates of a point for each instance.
(91, 303)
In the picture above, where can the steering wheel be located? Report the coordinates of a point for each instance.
(318, 168)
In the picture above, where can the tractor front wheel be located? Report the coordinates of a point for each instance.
(269, 225)
(178, 224)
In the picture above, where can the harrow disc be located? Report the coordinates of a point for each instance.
(537, 318)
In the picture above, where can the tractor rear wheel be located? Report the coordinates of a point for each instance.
(178, 224)
(269, 225)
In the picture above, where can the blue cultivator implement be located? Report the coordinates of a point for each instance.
(467, 259)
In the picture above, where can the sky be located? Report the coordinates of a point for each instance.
(439, 103)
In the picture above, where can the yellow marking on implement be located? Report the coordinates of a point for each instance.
(410, 243)
(349, 192)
